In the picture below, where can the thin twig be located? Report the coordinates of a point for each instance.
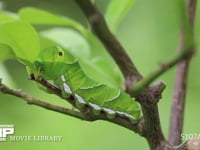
(113, 46)
(34, 101)
(145, 82)
(178, 102)
(191, 11)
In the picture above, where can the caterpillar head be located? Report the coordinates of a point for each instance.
(52, 62)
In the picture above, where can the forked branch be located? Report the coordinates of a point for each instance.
(148, 96)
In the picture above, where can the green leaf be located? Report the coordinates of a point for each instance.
(41, 17)
(38, 16)
(70, 40)
(98, 74)
(21, 38)
(6, 52)
(114, 75)
(6, 76)
(115, 12)
(6, 16)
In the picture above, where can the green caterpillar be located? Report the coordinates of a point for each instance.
(63, 68)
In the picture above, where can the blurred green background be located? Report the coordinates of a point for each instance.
(150, 34)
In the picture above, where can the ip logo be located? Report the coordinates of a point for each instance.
(5, 130)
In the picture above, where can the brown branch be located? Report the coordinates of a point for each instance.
(34, 101)
(191, 11)
(113, 46)
(178, 102)
(153, 132)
